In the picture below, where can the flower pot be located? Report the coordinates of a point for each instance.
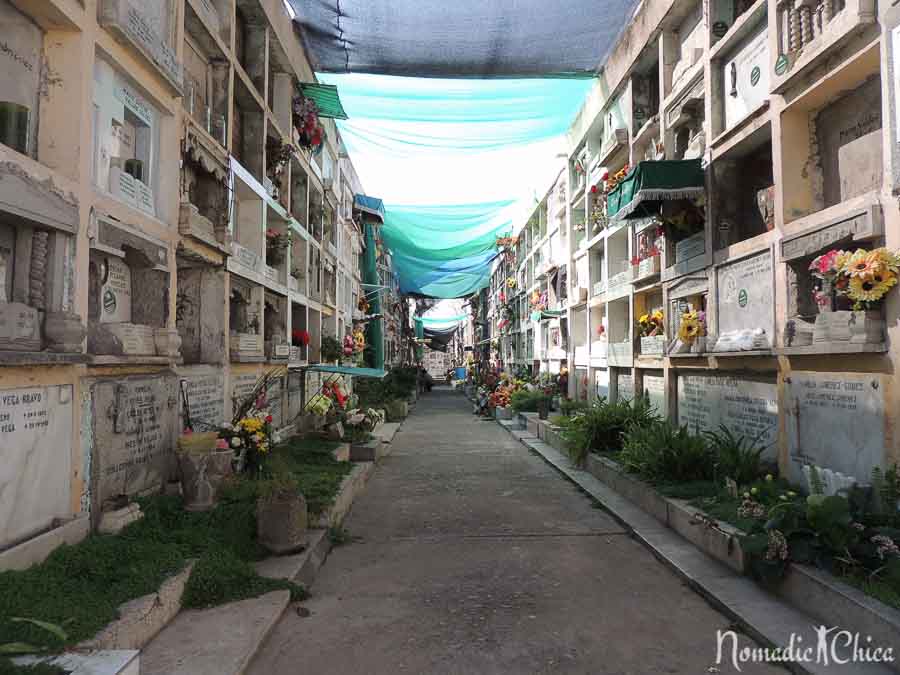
(281, 522)
(698, 346)
(168, 342)
(863, 327)
(202, 472)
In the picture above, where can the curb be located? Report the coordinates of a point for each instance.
(767, 619)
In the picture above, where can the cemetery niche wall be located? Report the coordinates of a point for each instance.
(128, 295)
(200, 308)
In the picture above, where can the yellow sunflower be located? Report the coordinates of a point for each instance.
(658, 316)
(644, 318)
(689, 329)
(863, 264)
(871, 289)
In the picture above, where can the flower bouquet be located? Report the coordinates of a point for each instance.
(651, 329)
(300, 338)
(305, 116)
(692, 332)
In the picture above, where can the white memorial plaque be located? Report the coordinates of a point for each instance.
(36, 447)
(135, 425)
(836, 421)
(206, 398)
(655, 391)
(136, 340)
(746, 407)
(115, 294)
(624, 387)
(747, 295)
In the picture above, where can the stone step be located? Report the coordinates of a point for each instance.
(103, 662)
(217, 641)
(386, 432)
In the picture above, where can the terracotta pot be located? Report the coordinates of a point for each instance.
(201, 475)
(281, 522)
(63, 331)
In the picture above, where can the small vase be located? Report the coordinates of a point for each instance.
(201, 475)
(281, 523)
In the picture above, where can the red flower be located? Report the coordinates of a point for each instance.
(269, 419)
(635, 261)
(593, 189)
(605, 176)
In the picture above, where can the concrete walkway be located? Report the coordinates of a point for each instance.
(475, 556)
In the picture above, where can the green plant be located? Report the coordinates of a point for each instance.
(25, 648)
(526, 401)
(338, 536)
(662, 452)
(278, 482)
(221, 577)
(735, 456)
(600, 427)
(331, 349)
(886, 493)
(569, 407)
(7, 667)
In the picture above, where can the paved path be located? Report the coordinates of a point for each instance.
(474, 556)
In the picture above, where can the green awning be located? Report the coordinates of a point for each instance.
(326, 98)
(649, 183)
(345, 370)
(547, 314)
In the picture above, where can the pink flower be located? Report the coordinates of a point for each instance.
(187, 431)
(222, 444)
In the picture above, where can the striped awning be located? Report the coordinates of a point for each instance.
(326, 98)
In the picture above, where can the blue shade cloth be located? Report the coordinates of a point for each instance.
(463, 38)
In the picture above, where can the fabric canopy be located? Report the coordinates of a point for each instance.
(346, 370)
(444, 251)
(439, 338)
(466, 38)
(441, 321)
(650, 182)
(327, 100)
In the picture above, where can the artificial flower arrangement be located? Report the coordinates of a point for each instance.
(864, 277)
(693, 326)
(601, 330)
(511, 282)
(363, 305)
(248, 437)
(506, 242)
(299, 338)
(349, 345)
(598, 218)
(538, 301)
(501, 297)
(651, 324)
(305, 116)
(359, 341)
(334, 391)
(359, 423)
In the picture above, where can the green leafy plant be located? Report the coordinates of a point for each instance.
(526, 401)
(600, 427)
(662, 452)
(331, 349)
(569, 407)
(735, 456)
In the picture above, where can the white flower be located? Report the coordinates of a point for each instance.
(236, 442)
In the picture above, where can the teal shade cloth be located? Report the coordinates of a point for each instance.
(345, 370)
(440, 321)
(327, 100)
(650, 183)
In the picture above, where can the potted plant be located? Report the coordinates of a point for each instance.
(204, 460)
(281, 512)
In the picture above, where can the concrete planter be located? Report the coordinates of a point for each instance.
(365, 452)
(812, 591)
(281, 522)
(502, 413)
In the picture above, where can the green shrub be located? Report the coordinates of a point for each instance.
(526, 401)
(220, 577)
(600, 427)
(735, 456)
(664, 453)
(569, 407)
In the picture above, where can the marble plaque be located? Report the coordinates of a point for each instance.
(746, 407)
(36, 449)
(745, 79)
(241, 386)
(245, 256)
(690, 247)
(655, 392)
(20, 328)
(136, 340)
(275, 397)
(747, 295)
(206, 398)
(115, 294)
(836, 421)
(624, 386)
(295, 395)
(21, 47)
(136, 422)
